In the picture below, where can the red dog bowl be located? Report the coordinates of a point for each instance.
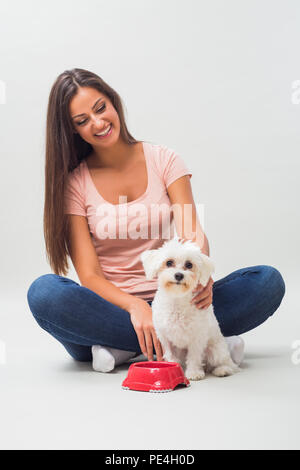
(154, 376)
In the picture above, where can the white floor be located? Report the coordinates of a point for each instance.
(49, 401)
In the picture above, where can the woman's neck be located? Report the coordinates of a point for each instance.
(115, 157)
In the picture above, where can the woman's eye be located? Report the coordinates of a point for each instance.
(98, 111)
(188, 265)
(169, 263)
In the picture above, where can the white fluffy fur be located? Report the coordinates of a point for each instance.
(189, 335)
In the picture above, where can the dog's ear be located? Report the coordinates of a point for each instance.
(207, 268)
(151, 263)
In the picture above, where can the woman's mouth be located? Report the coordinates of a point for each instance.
(105, 133)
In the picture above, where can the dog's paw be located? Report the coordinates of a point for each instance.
(195, 374)
(169, 358)
(223, 371)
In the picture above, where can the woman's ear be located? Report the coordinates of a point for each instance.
(206, 269)
(151, 263)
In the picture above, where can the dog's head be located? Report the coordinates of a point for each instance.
(179, 266)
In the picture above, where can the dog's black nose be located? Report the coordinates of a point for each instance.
(178, 276)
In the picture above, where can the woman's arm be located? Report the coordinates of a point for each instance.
(180, 193)
(186, 221)
(88, 267)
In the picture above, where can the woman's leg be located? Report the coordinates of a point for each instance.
(79, 318)
(246, 298)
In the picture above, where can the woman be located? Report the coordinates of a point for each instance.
(95, 174)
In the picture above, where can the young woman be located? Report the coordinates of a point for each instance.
(96, 177)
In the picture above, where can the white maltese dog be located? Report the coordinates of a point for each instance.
(188, 335)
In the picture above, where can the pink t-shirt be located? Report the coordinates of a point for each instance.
(120, 233)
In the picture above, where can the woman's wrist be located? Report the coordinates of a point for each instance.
(131, 301)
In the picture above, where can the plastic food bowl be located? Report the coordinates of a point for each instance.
(154, 376)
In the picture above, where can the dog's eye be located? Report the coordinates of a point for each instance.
(188, 265)
(169, 263)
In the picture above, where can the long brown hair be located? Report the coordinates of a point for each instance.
(64, 151)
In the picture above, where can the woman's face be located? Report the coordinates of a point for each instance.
(93, 113)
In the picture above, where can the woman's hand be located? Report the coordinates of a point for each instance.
(141, 319)
(204, 295)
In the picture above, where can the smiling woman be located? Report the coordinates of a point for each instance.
(76, 107)
(91, 162)
(100, 119)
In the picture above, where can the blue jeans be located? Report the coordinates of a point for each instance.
(79, 318)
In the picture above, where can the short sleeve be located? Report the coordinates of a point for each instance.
(74, 201)
(173, 166)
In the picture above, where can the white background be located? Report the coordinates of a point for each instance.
(211, 79)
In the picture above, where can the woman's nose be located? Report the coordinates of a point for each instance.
(98, 122)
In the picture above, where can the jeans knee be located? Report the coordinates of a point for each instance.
(275, 285)
(278, 282)
(38, 292)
